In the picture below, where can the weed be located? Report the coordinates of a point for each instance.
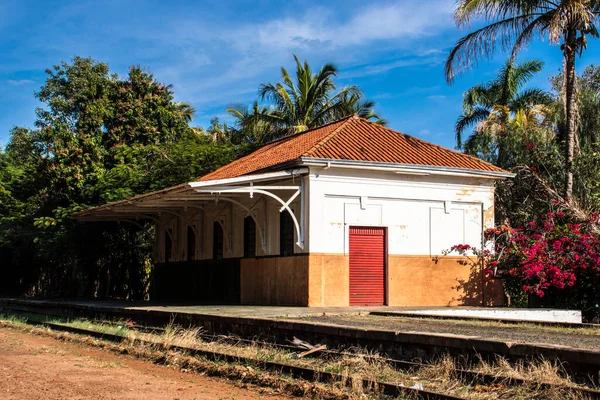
(354, 369)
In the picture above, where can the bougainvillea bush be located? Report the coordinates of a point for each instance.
(551, 258)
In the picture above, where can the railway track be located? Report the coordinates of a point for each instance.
(465, 375)
(390, 389)
(577, 361)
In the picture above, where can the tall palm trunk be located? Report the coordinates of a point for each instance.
(570, 110)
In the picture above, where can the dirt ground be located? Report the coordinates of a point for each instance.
(510, 332)
(34, 367)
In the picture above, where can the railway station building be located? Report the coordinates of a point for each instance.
(349, 213)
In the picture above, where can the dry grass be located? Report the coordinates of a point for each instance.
(544, 379)
(541, 371)
(439, 376)
(539, 374)
(174, 336)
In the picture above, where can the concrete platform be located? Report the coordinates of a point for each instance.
(509, 314)
(214, 309)
(495, 314)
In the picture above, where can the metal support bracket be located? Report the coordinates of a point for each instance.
(267, 191)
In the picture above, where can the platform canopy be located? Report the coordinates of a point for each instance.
(194, 195)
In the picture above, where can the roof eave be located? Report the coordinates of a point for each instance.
(253, 177)
(188, 186)
(83, 213)
(409, 169)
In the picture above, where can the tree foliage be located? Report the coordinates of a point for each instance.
(548, 242)
(504, 94)
(309, 100)
(99, 138)
(511, 25)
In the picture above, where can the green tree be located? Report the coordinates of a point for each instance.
(586, 184)
(307, 102)
(190, 157)
(588, 98)
(588, 130)
(100, 138)
(513, 24)
(504, 93)
(310, 100)
(218, 132)
(187, 111)
(252, 124)
(353, 103)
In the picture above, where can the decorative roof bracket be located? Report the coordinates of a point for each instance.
(267, 191)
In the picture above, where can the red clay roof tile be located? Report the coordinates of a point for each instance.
(355, 139)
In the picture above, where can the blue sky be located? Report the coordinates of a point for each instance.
(217, 53)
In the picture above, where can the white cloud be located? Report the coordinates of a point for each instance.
(375, 69)
(375, 22)
(220, 59)
(437, 97)
(221, 62)
(19, 82)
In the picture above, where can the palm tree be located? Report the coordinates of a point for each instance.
(306, 103)
(186, 110)
(499, 139)
(501, 119)
(513, 24)
(217, 132)
(309, 101)
(252, 124)
(482, 102)
(354, 104)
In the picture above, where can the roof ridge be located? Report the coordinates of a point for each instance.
(334, 133)
(296, 134)
(275, 144)
(432, 144)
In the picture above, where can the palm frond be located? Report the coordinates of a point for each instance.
(524, 72)
(483, 43)
(466, 120)
(308, 100)
(186, 110)
(538, 25)
(478, 95)
(529, 98)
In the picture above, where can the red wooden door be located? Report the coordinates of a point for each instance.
(367, 266)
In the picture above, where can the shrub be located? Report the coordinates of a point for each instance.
(545, 258)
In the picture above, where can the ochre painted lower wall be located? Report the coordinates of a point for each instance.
(441, 281)
(274, 281)
(328, 280)
(411, 280)
(321, 280)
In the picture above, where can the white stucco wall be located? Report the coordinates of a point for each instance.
(231, 217)
(424, 214)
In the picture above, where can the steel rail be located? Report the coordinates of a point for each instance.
(464, 375)
(386, 388)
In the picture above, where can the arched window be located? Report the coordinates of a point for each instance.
(217, 241)
(191, 243)
(168, 245)
(286, 234)
(249, 237)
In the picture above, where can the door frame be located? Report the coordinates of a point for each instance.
(385, 259)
